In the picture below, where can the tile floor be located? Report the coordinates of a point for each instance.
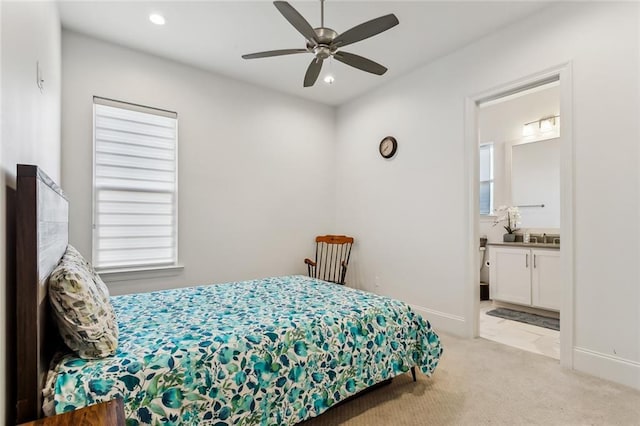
(527, 337)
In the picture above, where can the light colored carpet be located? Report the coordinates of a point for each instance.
(479, 382)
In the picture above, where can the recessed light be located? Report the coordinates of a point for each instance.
(157, 19)
(329, 79)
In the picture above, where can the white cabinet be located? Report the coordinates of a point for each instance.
(525, 276)
(546, 288)
(510, 276)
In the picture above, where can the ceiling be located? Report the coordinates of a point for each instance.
(213, 35)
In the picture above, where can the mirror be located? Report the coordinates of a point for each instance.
(535, 182)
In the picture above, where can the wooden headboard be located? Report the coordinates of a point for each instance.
(42, 235)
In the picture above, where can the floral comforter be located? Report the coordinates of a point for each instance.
(270, 351)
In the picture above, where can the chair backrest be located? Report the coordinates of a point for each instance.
(332, 257)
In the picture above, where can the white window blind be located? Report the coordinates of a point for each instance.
(486, 179)
(135, 186)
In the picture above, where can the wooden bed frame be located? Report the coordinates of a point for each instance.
(42, 223)
(42, 235)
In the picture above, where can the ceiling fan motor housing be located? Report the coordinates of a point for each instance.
(323, 49)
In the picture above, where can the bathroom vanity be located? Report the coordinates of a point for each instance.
(526, 274)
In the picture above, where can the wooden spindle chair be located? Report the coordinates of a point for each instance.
(332, 258)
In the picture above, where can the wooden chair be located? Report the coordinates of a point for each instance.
(332, 258)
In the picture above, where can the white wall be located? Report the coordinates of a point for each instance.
(30, 133)
(501, 121)
(409, 213)
(256, 181)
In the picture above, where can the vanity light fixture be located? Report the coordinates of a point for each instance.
(547, 124)
(157, 19)
(543, 125)
(527, 129)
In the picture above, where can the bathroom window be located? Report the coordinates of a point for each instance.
(486, 179)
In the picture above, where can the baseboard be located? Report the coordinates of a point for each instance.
(442, 321)
(608, 367)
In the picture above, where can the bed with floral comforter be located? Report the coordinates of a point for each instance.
(272, 351)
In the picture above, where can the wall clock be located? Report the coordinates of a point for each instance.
(388, 147)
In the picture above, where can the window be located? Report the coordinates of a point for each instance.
(135, 186)
(486, 179)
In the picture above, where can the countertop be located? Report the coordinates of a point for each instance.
(521, 244)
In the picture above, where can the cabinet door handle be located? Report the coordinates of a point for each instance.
(526, 260)
(534, 260)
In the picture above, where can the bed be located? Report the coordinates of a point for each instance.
(271, 351)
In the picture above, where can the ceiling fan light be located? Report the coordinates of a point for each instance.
(329, 79)
(157, 19)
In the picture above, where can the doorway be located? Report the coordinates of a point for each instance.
(520, 173)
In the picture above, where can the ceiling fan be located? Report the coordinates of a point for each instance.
(324, 42)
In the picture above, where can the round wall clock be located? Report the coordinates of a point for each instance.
(388, 147)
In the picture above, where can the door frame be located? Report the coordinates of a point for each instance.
(563, 73)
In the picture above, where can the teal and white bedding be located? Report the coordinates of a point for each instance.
(272, 351)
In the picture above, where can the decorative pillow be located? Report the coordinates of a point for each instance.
(81, 307)
(73, 255)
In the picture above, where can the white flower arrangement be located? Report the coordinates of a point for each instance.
(511, 215)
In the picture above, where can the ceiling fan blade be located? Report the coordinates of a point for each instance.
(313, 72)
(297, 21)
(273, 53)
(359, 62)
(366, 30)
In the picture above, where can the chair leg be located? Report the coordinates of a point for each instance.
(413, 373)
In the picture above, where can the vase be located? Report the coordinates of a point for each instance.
(509, 238)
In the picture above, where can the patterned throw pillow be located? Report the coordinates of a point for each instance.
(81, 307)
(73, 255)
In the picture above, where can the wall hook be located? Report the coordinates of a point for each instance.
(39, 79)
